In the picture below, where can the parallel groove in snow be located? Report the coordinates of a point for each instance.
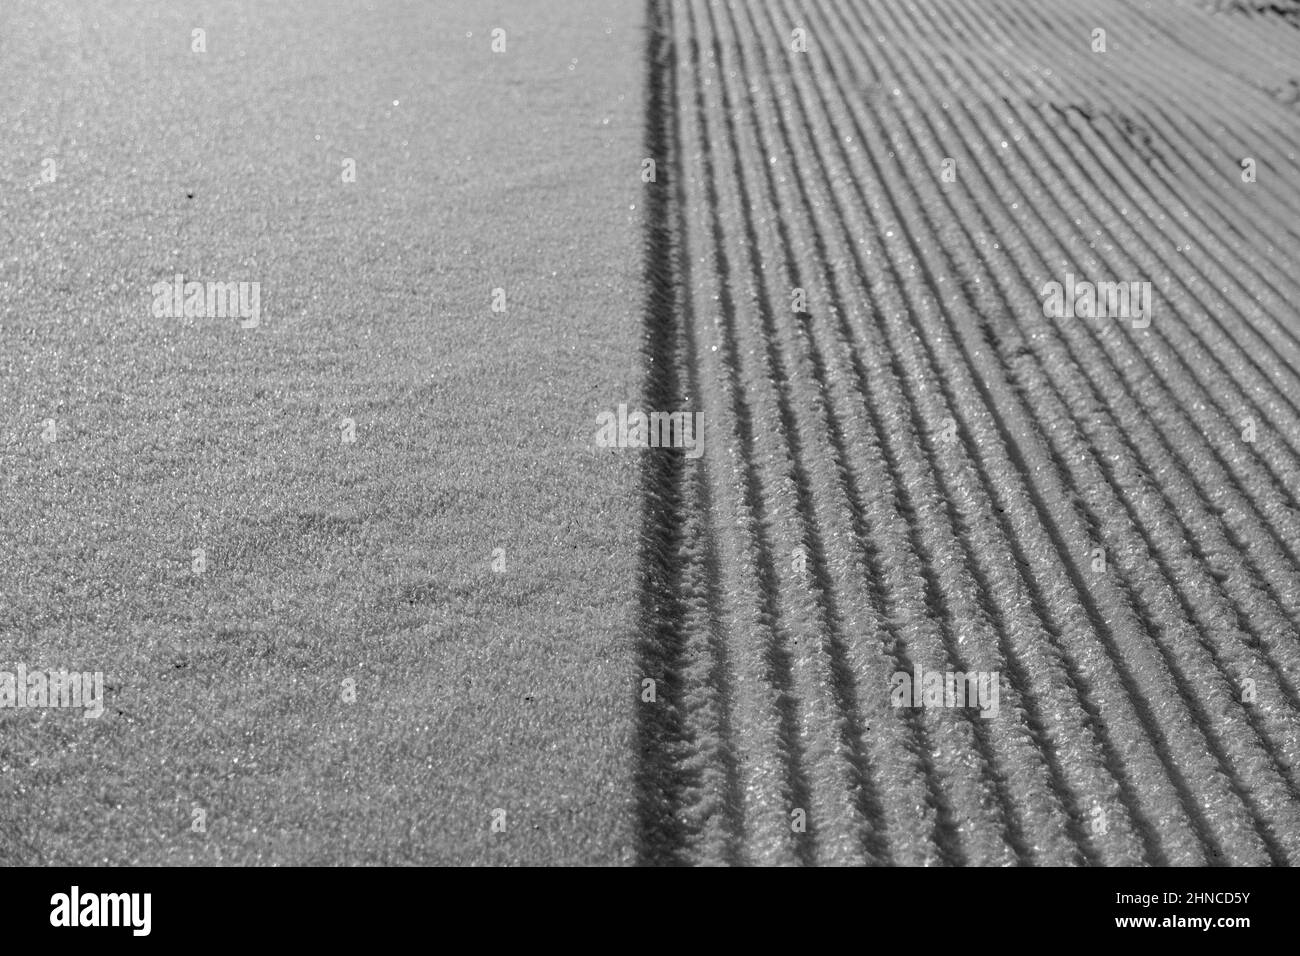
(827, 436)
